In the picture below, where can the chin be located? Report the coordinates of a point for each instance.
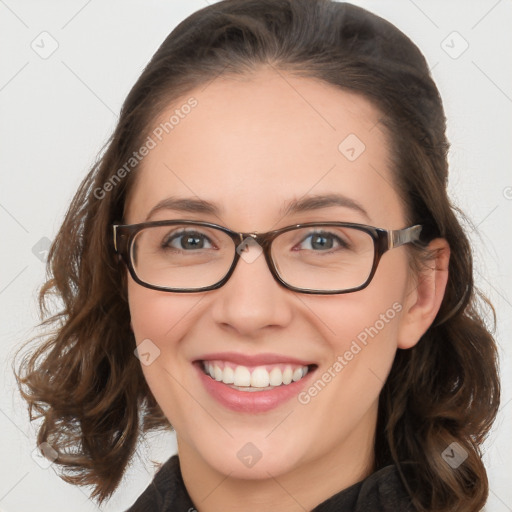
(250, 457)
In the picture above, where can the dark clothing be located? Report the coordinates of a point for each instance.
(382, 491)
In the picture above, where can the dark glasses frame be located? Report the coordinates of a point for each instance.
(383, 241)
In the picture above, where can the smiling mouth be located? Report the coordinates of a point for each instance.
(257, 378)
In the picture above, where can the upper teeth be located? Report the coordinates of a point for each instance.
(257, 377)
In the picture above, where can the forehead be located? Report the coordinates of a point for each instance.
(252, 143)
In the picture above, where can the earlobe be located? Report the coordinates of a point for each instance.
(424, 301)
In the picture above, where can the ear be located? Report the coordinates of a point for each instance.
(424, 299)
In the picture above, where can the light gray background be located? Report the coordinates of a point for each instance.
(57, 112)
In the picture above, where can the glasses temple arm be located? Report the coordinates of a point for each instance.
(114, 228)
(404, 236)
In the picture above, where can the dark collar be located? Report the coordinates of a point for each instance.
(382, 491)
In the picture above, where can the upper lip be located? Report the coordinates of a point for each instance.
(253, 360)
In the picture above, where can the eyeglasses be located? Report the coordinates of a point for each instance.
(315, 257)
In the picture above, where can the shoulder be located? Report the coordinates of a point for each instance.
(166, 492)
(382, 491)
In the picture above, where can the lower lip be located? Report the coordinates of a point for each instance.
(251, 401)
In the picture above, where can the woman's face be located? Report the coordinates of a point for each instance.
(250, 146)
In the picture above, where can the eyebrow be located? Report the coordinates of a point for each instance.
(306, 204)
(185, 204)
(319, 202)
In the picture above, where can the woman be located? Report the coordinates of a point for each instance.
(266, 259)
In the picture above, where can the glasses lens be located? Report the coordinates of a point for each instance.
(325, 258)
(181, 256)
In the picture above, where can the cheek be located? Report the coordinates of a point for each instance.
(155, 314)
(367, 314)
(360, 332)
(160, 321)
(361, 337)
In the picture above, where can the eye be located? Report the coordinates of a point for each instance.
(186, 240)
(322, 241)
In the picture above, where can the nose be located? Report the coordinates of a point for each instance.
(252, 299)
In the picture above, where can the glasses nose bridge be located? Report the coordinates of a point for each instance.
(264, 240)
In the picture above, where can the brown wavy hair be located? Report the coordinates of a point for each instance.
(82, 379)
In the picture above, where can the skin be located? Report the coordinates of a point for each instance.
(252, 144)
